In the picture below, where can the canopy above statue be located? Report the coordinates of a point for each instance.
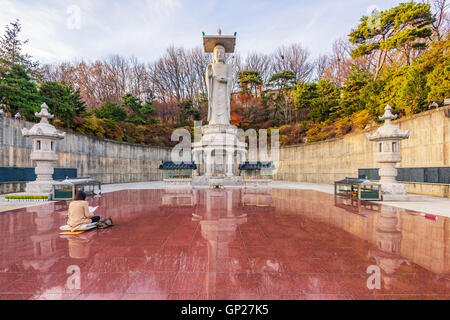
(210, 42)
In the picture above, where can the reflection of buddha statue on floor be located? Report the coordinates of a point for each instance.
(219, 226)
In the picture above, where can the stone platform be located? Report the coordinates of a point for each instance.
(177, 183)
(225, 182)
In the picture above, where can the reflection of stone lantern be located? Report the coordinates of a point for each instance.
(45, 250)
(388, 139)
(388, 239)
(44, 137)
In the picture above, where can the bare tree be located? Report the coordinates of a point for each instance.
(294, 58)
(320, 65)
(198, 60)
(237, 66)
(339, 63)
(139, 79)
(441, 26)
(259, 62)
(179, 74)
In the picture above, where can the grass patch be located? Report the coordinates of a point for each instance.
(25, 197)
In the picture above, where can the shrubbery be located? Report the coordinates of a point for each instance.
(26, 197)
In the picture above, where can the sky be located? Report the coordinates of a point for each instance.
(61, 30)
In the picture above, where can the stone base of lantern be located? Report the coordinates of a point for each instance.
(394, 192)
(45, 162)
(39, 188)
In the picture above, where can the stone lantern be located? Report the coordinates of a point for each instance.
(44, 137)
(388, 139)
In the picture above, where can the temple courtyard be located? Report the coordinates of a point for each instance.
(294, 241)
(425, 204)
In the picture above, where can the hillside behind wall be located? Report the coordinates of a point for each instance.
(104, 160)
(320, 162)
(332, 160)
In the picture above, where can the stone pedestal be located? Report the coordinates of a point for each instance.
(177, 183)
(217, 156)
(257, 183)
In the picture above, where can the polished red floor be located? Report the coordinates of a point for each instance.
(225, 244)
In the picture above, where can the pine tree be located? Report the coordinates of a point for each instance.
(64, 102)
(403, 28)
(11, 51)
(18, 93)
(249, 80)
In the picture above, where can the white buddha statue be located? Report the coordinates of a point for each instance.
(219, 81)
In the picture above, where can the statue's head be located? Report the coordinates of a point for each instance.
(219, 53)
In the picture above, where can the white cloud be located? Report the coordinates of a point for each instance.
(145, 28)
(41, 25)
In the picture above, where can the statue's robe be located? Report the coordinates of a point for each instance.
(219, 82)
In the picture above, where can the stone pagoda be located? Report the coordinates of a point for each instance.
(219, 151)
(44, 137)
(388, 139)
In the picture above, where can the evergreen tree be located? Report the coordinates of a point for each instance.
(138, 113)
(304, 95)
(64, 102)
(372, 97)
(350, 97)
(318, 99)
(413, 91)
(18, 93)
(11, 51)
(111, 111)
(282, 80)
(404, 28)
(282, 98)
(249, 80)
(323, 105)
(437, 63)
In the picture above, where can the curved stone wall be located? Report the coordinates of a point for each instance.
(105, 160)
(320, 162)
(332, 160)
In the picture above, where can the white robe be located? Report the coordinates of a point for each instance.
(219, 93)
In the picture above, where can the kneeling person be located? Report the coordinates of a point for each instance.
(79, 212)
